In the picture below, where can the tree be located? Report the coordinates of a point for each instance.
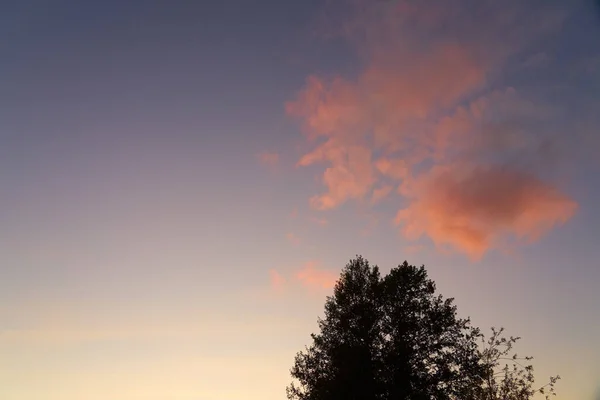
(508, 376)
(388, 338)
(393, 337)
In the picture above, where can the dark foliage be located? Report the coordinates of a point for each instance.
(393, 337)
(388, 338)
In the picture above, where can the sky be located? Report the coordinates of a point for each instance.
(182, 182)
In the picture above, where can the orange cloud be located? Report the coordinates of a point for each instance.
(380, 112)
(269, 159)
(293, 239)
(312, 277)
(418, 108)
(396, 169)
(350, 175)
(471, 208)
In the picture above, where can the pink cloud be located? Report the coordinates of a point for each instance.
(308, 276)
(419, 108)
(471, 208)
(395, 169)
(311, 276)
(379, 112)
(349, 176)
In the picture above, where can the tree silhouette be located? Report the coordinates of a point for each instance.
(388, 338)
(509, 376)
(393, 337)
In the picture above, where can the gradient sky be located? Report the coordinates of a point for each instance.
(181, 183)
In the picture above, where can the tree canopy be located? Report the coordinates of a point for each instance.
(394, 337)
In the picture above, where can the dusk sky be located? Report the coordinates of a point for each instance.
(181, 183)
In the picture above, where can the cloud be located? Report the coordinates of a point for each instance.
(293, 239)
(396, 169)
(270, 159)
(311, 276)
(423, 108)
(308, 276)
(472, 208)
(350, 175)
